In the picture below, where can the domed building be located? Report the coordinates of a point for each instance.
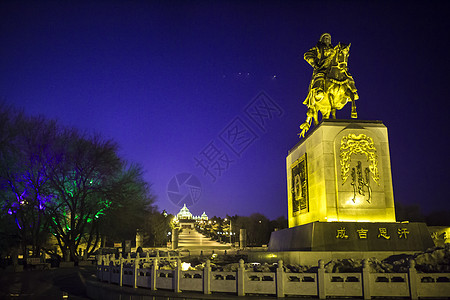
(187, 220)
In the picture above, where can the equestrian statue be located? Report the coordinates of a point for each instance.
(331, 85)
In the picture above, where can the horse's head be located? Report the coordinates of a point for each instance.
(341, 56)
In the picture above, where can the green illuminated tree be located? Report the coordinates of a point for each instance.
(95, 192)
(59, 181)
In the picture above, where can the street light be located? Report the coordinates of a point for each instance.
(231, 232)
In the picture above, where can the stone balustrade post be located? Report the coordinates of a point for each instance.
(279, 281)
(176, 277)
(136, 266)
(100, 267)
(137, 260)
(174, 239)
(321, 280)
(121, 271)
(412, 277)
(241, 278)
(153, 275)
(207, 278)
(242, 238)
(108, 263)
(366, 279)
(110, 267)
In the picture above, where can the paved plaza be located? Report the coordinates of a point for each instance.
(192, 239)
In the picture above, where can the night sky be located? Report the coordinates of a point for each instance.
(171, 82)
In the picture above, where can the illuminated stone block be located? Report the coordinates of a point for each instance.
(352, 236)
(341, 172)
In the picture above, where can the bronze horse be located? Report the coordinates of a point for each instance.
(339, 88)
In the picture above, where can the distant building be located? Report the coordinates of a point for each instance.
(186, 219)
(185, 214)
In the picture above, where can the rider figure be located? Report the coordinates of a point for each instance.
(319, 57)
(323, 58)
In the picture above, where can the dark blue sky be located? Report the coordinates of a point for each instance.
(165, 79)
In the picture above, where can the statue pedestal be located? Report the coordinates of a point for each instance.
(340, 194)
(352, 236)
(341, 171)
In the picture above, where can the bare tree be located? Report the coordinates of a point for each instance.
(24, 188)
(72, 185)
(90, 182)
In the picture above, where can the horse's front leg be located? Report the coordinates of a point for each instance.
(354, 114)
(311, 114)
(330, 108)
(332, 97)
(351, 95)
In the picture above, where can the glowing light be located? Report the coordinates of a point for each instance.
(185, 266)
(353, 201)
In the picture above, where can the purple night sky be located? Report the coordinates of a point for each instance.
(165, 79)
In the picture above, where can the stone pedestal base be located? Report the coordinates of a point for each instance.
(352, 236)
(85, 263)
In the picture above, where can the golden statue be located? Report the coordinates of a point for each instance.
(331, 85)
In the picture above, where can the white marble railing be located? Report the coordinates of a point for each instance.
(144, 273)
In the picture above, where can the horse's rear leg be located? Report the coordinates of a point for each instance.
(333, 113)
(354, 114)
(325, 113)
